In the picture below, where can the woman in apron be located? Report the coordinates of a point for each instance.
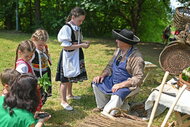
(123, 74)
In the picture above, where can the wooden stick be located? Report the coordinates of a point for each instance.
(158, 98)
(173, 105)
(108, 115)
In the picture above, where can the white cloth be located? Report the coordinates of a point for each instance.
(167, 98)
(71, 65)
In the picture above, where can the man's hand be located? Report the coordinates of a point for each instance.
(116, 87)
(98, 79)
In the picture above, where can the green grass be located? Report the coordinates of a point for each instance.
(96, 58)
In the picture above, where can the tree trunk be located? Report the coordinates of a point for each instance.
(136, 15)
(133, 18)
(8, 22)
(30, 11)
(37, 12)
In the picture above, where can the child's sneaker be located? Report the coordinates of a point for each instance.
(67, 107)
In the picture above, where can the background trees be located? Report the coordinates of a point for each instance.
(147, 18)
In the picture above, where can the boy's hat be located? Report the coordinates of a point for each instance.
(126, 36)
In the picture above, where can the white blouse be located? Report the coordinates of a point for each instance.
(64, 35)
(22, 68)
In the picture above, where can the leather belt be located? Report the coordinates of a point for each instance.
(68, 50)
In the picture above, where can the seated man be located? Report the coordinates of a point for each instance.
(123, 74)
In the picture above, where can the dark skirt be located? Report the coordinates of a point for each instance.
(82, 76)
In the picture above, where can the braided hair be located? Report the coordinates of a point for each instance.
(76, 12)
(26, 45)
(40, 35)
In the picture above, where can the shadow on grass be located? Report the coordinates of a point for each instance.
(87, 101)
(149, 50)
(63, 118)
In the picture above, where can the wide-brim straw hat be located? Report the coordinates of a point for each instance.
(125, 36)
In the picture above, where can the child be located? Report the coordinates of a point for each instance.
(41, 59)
(71, 66)
(7, 78)
(24, 54)
(18, 107)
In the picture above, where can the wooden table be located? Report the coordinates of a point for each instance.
(149, 67)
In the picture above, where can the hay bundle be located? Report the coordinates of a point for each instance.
(97, 120)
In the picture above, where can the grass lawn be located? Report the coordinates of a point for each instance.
(96, 58)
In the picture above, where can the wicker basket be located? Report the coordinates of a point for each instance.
(181, 17)
(175, 57)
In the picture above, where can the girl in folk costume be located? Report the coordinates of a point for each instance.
(24, 55)
(41, 60)
(71, 68)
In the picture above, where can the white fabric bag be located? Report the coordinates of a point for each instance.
(71, 66)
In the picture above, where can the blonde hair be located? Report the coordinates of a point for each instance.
(40, 35)
(26, 45)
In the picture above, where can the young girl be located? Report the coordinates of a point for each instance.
(41, 59)
(24, 54)
(71, 66)
(19, 105)
(7, 78)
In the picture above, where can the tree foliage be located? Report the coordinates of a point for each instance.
(142, 16)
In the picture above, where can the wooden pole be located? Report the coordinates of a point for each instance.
(158, 98)
(173, 105)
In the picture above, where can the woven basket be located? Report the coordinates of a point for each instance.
(175, 57)
(181, 17)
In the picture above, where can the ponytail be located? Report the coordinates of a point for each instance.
(76, 12)
(16, 55)
(26, 45)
